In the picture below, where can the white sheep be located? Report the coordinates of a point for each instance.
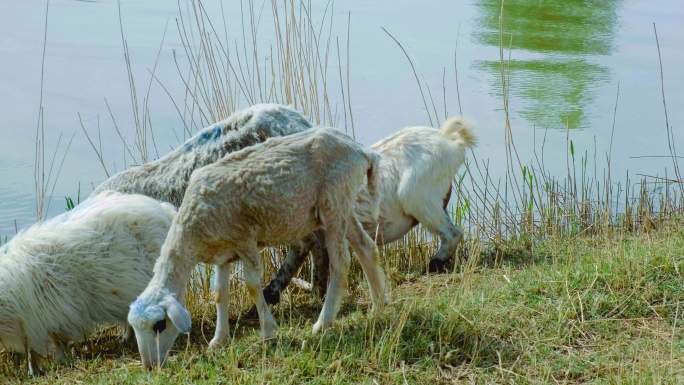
(417, 166)
(62, 278)
(269, 194)
(166, 179)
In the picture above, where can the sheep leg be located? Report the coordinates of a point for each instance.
(438, 223)
(253, 271)
(321, 264)
(36, 362)
(339, 269)
(222, 295)
(368, 255)
(33, 365)
(296, 254)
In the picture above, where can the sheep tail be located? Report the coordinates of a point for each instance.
(373, 175)
(457, 130)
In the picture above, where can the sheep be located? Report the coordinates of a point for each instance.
(417, 167)
(167, 178)
(61, 278)
(269, 194)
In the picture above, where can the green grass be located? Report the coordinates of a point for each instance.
(602, 310)
(591, 302)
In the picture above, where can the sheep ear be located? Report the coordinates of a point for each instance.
(178, 315)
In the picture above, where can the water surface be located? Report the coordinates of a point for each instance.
(564, 61)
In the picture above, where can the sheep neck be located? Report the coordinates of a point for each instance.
(171, 273)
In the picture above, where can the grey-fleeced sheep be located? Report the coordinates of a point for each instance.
(270, 194)
(167, 178)
(62, 278)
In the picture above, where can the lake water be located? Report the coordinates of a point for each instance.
(566, 60)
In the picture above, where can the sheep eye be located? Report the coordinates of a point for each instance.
(159, 326)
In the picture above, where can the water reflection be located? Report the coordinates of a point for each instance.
(556, 87)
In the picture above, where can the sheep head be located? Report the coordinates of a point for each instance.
(157, 320)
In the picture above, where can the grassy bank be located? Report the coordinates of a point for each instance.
(563, 310)
(578, 278)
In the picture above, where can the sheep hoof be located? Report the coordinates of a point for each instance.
(217, 342)
(269, 332)
(267, 336)
(386, 300)
(318, 327)
(438, 266)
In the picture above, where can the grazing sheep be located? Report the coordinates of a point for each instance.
(269, 194)
(61, 278)
(167, 178)
(417, 167)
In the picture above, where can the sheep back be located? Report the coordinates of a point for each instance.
(167, 178)
(274, 191)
